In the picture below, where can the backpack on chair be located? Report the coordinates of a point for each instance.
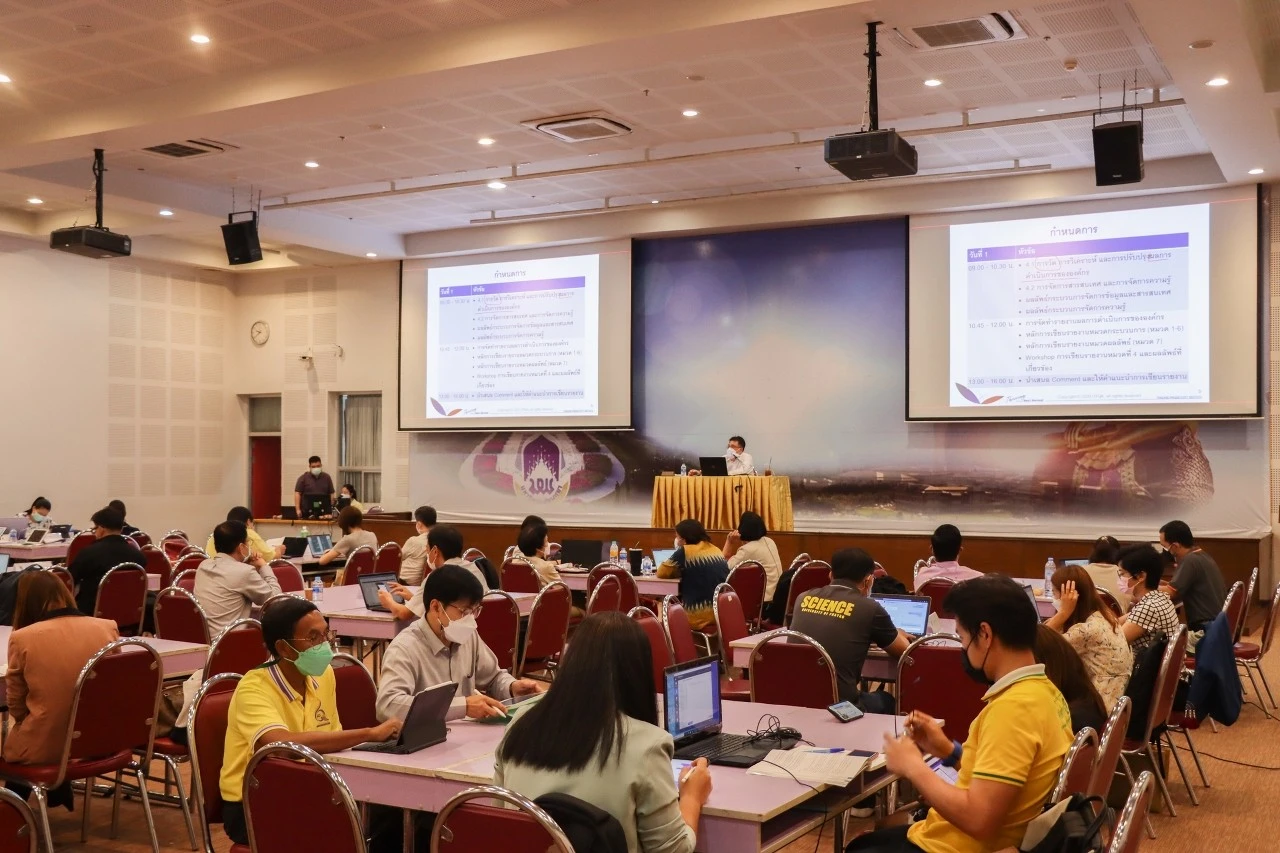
(590, 829)
(1071, 825)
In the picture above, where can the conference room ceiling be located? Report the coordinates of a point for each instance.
(390, 98)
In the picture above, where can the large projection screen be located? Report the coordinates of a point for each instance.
(536, 339)
(1131, 308)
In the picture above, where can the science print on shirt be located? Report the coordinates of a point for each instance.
(820, 606)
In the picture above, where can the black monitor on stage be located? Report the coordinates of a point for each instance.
(316, 506)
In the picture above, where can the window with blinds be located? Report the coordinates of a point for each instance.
(360, 445)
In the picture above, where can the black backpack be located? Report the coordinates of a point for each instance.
(1072, 825)
(588, 828)
(9, 593)
(486, 568)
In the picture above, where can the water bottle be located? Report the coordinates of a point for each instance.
(684, 470)
(646, 565)
(623, 562)
(1049, 568)
(613, 551)
(303, 532)
(317, 589)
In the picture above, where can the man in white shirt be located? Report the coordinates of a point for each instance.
(946, 542)
(444, 548)
(413, 556)
(737, 459)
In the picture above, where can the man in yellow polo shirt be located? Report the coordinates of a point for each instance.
(1015, 747)
(291, 698)
(259, 550)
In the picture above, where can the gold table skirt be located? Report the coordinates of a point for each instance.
(718, 502)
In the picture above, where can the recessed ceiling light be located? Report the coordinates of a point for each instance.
(485, 140)
(689, 113)
(1255, 171)
(200, 38)
(371, 254)
(34, 200)
(497, 185)
(1040, 110)
(1201, 44)
(1068, 97)
(655, 201)
(5, 78)
(1217, 81)
(311, 164)
(933, 81)
(164, 211)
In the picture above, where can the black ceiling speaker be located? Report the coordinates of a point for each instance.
(1117, 153)
(241, 239)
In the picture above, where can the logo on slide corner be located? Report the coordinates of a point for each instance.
(435, 404)
(964, 392)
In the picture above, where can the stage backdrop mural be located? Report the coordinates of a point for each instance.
(795, 339)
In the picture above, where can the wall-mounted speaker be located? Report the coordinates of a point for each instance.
(241, 239)
(1117, 153)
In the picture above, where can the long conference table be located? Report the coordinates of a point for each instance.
(744, 812)
(718, 502)
(176, 658)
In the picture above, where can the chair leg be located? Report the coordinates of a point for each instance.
(115, 804)
(1159, 774)
(1248, 670)
(1182, 771)
(1263, 676)
(42, 807)
(1195, 754)
(171, 766)
(1128, 772)
(146, 807)
(84, 818)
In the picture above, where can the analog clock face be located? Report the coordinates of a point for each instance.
(259, 332)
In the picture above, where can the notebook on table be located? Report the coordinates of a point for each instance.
(693, 716)
(909, 613)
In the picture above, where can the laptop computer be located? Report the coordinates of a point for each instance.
(1031, 596)
(371, 585)
(713, 466)
(693, 717)
(4, 563)
(584, 552)
(294, 546)
(423, 725)
(319, 542)
(289, 512)
(909, 613)
(1080, 563)
(661, 555)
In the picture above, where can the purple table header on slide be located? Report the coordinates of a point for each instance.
(1081, 247)
(513, 287)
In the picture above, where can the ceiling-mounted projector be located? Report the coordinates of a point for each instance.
(92, 241)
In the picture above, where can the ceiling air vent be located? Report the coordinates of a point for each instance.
(984, 29)
(188, 148)
(582, 127)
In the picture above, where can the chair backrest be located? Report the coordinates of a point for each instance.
(1076, 774)
(931, 679)
(1128, 832)
(279, 777)
(82, 540)
(275, 599)
(194, 551)
(801, 558)
(141, 538)
(606, 597)
(675, 622)
(1269, 626)
(65, 576)
(173, 546)
(548, 625)
(936, 590)
(189, 563)
(749, 581)
(387, 558)
(499, 626)
(122, 595)
(630, 594)
(185, 580)
(361, 562)
(178, 616)
(1109, 747)
(156, 563)
(469, 821)
(811, 575)
(126, 677)
(519, 575)
(1175, 653)
(357, 695)
(731, 623)
(791, 668)
(658, 647)
(1235, 606)
(1249, 593)
(238, 649)
(17, 824)
(288, 576)
(1112, 603)
(177, 534)
(206, 739)
(473, 554)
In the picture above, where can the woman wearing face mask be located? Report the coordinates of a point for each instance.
(347, 497)
(1093, 631)
(291, 698)
(1152, 614)
(700, 566)
(38, 514)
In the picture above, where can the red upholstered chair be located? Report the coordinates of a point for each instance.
(499, 626)
(473, 554)
(278, 778)
(288, 575)
(185, 580)
(18, 832)
(1127, 838)
(357, 695)
(548, 630)
(362, 562)
(193, 551)
(1160, 706)
(658, 647)
(65, 577)
(1112, 739)
(122, 597)
(1249, 655)
(811, 575)
(156, 563)
(278, 597)
(207, 734)
(173, 546)
(1113, 603)
(125, 677)
(606, 597)
(801, 558)
(731, 625)
(1076, 774)
(179, 617)
(469, 821)
(931, 679)
(188, 563)
(81, 541)
(936, 590)
(1235, 606)
(790, 668)
(141, 538)
(681, 636)
(749, 580)
(1250, 591)
(627, 584)
(519, 575)
(386, 560)
(238, 649)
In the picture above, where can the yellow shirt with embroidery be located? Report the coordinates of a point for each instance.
(1020, 738)
(264, 701)
(257, 546)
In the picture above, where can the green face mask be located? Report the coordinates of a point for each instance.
(314, 661)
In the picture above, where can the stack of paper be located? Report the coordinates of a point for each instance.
(821, 767)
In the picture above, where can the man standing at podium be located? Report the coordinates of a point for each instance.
(737, 459)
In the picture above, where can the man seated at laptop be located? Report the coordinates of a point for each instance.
(845, 622)
(444, 548)
(259, 550)
(292, 698)
(444, 646)
(413, 555)
(1016, 745)
(946, 543)
(109, 549)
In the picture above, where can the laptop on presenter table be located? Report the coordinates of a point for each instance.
(909, 613)
(423, 725)
(713, 466)
(693, 717)
(371, 585)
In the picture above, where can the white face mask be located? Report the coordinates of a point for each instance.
(460, 630)
(678, 544)
(316, 472)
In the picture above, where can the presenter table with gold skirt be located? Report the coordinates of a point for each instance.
(718, 502)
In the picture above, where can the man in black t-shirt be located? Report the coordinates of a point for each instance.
(1197, 581)
(109, 550)
(845, 622)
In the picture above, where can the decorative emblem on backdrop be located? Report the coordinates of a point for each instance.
(544, 466)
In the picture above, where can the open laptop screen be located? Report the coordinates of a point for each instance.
(909, 613)
(371, 584)
(692, 703)
(320, 543)
(661, 555)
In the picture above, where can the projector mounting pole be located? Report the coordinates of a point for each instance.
(873, 87)
(98, 169)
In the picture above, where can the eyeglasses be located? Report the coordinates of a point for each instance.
(474, 610)
(315, 638)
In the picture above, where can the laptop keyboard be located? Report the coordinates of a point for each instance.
(385, 746)
(713, 747)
